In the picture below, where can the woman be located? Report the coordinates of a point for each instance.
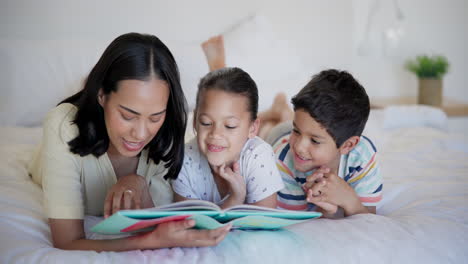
(115, 145)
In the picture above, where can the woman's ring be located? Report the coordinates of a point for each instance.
(129, 192)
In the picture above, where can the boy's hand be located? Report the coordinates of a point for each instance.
(316, 179)
(330, 188)
(235, 180)
(328, 209)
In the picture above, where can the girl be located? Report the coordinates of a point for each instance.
(321, 155)
(109, 147)
(226, 163)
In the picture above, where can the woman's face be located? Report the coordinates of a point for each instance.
(134, 114)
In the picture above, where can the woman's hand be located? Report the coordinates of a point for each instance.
(130, 192)
(179, 234)
(68, 234)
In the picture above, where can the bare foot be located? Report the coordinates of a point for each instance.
(281, 108)
(214, 52)
(279, 111)
(265, 128)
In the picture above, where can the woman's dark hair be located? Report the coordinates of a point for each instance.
(337, 101)
(132, 56)
(231, 80)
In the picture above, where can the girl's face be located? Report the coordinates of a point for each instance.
(223, 126)
(311, 144)
(134, 114)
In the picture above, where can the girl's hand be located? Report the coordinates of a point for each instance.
(235, 180)
(179, 234)
(130, 192)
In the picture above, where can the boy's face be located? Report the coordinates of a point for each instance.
(311, 144)
(223, 125)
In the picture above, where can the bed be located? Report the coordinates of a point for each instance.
(423, 217)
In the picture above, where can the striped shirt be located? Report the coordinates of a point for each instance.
(359, 168)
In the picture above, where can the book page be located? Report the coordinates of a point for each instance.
(251, 222)
(192, 205)
(256, 208)
(206, 216)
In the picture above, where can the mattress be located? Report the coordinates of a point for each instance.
(422, 218)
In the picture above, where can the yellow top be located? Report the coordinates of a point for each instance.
(75, 186)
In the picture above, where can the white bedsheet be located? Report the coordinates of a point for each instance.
(423, 217)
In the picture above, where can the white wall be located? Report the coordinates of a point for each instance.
(430, 27)
(317, 34)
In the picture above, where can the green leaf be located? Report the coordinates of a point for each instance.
(425, 66)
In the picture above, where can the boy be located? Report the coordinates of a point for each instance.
(324, 161)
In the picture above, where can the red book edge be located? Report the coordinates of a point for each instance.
(152, 222)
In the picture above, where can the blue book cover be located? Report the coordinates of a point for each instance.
(207, 215)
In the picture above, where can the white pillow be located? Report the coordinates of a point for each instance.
(254, 46)
(375, 120)
(37, 74)
(405, 116)
(189, 131)
(192, 67)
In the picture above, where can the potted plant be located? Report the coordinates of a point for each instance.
(430, 70)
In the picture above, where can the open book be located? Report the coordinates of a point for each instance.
(207, 215)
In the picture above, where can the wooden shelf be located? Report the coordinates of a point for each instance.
(450, 106)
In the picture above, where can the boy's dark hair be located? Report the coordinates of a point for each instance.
(336, 101)
(231, 80)
(132, 56)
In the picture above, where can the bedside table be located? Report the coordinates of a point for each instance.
(450, 106)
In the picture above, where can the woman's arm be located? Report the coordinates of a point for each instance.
(68, 234)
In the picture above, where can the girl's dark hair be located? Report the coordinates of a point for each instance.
(232, 80)
(132, 56)
(337, 101)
